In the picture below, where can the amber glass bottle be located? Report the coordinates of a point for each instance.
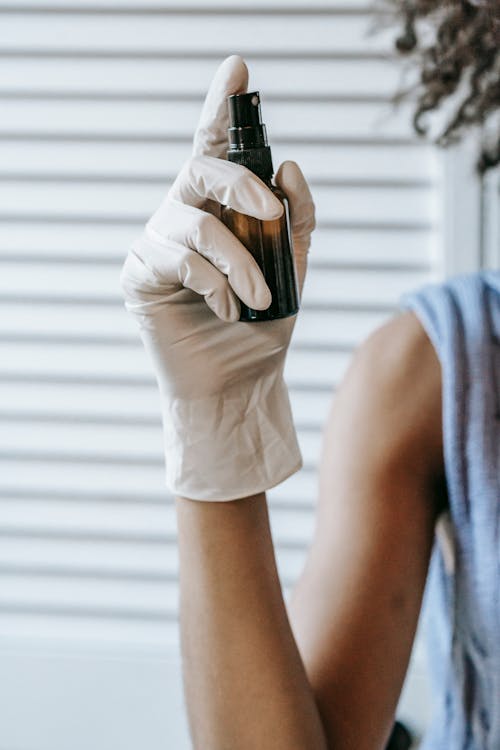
(269, 241)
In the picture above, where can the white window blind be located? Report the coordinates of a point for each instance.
(98, 105)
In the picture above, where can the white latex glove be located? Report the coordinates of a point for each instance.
(227, 420)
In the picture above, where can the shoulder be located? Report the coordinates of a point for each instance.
(399, 359)
(403, 338)
(392, 390)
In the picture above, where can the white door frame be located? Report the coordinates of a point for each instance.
(461, 209)
(470, 211)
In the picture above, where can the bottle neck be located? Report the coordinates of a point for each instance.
(257, 160)
(247, 137)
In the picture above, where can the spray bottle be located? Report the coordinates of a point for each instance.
(268, 241)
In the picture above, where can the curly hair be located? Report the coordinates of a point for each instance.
(461, 57)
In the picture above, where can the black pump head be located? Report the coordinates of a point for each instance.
(246, 129)
(244, 109)
(248, 143)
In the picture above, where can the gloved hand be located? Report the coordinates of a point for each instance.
(227, 421)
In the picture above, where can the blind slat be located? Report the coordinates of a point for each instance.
(120, 405)
(278, 78)
(355, 161)
(355, 246)
(142, 32)
(177, 119)
(333, 205)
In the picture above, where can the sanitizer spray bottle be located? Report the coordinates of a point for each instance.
(269, 242)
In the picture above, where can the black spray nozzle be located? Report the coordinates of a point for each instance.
(247, 135)
(244, 110)
(246, 129)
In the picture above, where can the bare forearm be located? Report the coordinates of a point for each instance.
(245, 684)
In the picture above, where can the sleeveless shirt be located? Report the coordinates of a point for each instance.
(461, 611)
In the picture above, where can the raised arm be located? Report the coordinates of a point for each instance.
(355, 609)
(229, 436)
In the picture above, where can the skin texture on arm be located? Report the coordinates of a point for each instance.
(245, 684)
(355, 608)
